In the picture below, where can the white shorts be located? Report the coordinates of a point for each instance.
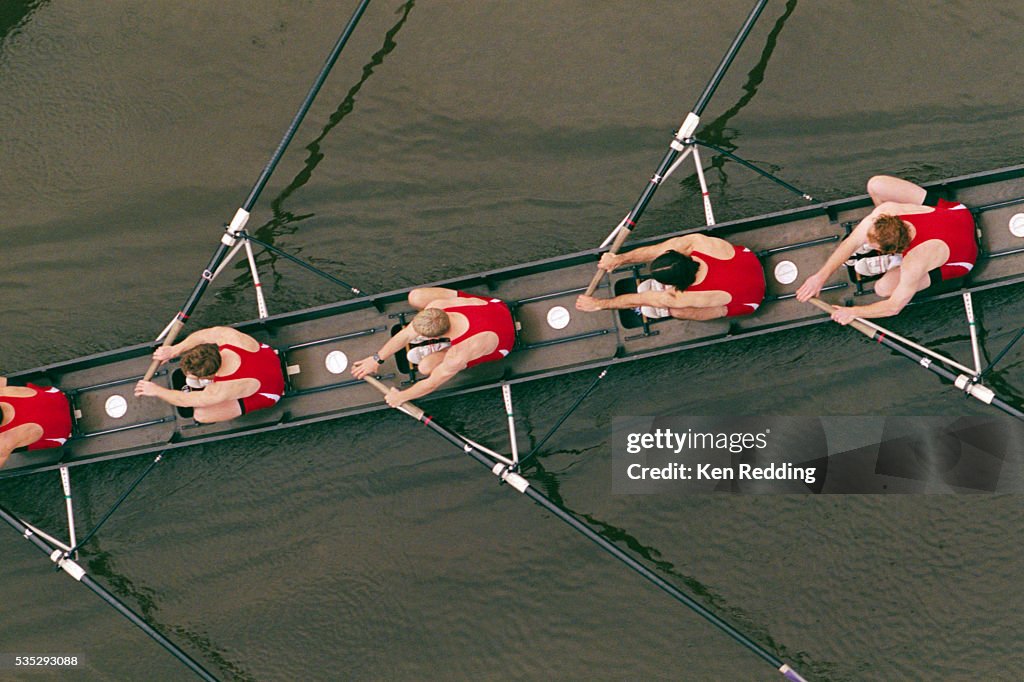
(649, 311)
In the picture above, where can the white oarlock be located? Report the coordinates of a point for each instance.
(69, 566)
(510, 477)
(237, 225)
(689, 126)
(977, 391)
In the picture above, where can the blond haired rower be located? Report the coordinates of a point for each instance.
(479, 329)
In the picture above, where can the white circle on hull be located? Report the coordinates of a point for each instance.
(336, 361)
(786, 272)
(558, 317)
(116, 406)
(1017, 225)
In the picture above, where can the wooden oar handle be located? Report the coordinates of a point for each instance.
(594, 282)
(616, 245)
(172, 334)
(406, 407)
(856, 324)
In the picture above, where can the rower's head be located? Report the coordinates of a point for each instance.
(675, 269)
(431, 323)
(889, 234)
(202, 361)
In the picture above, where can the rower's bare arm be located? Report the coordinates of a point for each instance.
(645, 254)
(18, 437)
(217, 335)
(901, 296)
(455, 360)
(369, 365)
(812, 285)
(211, 395)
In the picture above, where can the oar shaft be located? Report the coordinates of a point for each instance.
(79, 574)
(616, 245)
(522, 485)
(730, 54)
(685, 132)
(242, 214)
(965, 383)
(172, 333)
(261, 182)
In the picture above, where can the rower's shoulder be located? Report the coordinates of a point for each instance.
(896, 208)
(459, 302)
(715, 246)
(16, 392)
(233, 337)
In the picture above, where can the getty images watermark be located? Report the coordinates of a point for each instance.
(765, 455)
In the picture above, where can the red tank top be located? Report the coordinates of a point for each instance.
(953, 224)
(495, 317)
(49, 408)
(741, 276)
(262, 365)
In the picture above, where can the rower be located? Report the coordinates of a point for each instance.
(694, 277)
(927, 244)
(228, 374)
(463, 329)
(33, 417)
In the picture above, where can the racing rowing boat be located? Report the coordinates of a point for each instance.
(317, 345)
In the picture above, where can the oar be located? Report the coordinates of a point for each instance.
(516, 481)
(242, 214)
(967, 384)
(678, 144)
(79, 574)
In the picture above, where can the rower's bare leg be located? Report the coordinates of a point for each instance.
(221, 412)
(884, 188)
(891, 279)
(700, 314)
(424, 296)
(430, 363)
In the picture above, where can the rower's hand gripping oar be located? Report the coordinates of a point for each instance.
(242, 214)
(681, 139)
(407, 407)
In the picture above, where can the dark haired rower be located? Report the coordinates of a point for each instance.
(695, 277)
(237, 374)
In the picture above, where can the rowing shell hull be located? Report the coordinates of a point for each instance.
(315, 343)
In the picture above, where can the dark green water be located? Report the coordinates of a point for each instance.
(450, 138)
